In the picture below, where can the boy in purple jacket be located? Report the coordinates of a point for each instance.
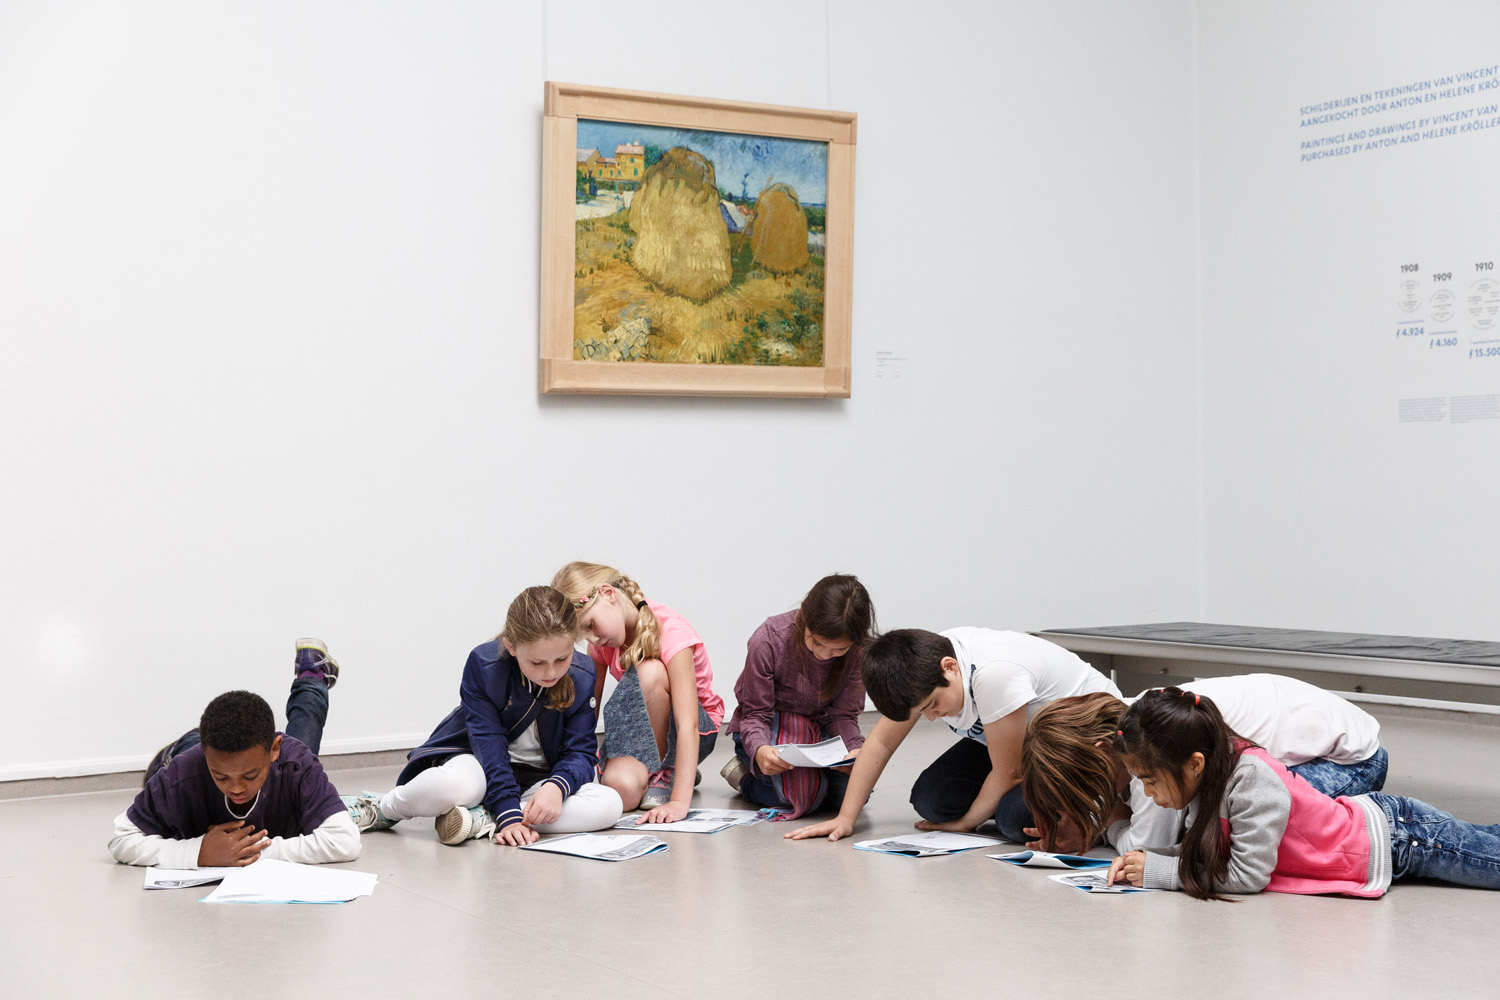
(235, 790)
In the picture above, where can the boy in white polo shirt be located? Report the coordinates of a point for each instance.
(984, 684)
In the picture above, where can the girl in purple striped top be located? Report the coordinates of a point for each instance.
(801, 684)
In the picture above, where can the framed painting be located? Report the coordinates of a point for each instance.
(693, 246)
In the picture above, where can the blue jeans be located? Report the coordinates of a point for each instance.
(762, 791)
(1345, 779)
(306, 713)
(1429, 843)
(946, 790)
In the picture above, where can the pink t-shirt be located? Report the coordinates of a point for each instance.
(676, 635)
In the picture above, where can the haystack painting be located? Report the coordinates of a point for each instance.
(696, 250)
(698, 247)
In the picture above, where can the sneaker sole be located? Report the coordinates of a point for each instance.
(454, 826)
(330, 665)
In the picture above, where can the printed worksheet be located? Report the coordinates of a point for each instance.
(1094, 882)
(696, 821)
(181, 878)
(829, 753)
(926, 845)
(1044, 859)
(600, 847)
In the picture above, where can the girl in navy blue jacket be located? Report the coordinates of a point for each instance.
(517, 758)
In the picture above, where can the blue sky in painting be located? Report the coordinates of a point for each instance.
(742, 163)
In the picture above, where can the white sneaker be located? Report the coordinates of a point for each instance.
(463, 823)
(364, 809)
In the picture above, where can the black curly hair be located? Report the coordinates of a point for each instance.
(235, 721)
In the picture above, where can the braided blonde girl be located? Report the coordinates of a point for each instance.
(579, 582)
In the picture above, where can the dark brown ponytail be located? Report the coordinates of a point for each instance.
(1157, 736)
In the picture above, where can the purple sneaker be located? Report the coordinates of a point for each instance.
(313, 661)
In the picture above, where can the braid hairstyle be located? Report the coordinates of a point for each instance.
(580, 581)
(1158, 734)
(837, 607)
(1064, 769)
(540, 613)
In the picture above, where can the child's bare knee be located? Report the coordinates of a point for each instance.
(628, 778)
(653, 675)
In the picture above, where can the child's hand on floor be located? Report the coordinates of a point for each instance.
(952, 826)
(517, 835)
(231, 845)
(669, 813)
(833, 829)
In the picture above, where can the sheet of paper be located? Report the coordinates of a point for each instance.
(181, 878)
(696, 821)
(600, 847)
(690, 823)
(1044, 859)
(922, 845)
(829, 753)
(270, 881)
(739, 817)
(1094, 882)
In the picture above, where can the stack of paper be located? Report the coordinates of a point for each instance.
(925, 845)
(599, 847)
(1043, 859)
(270, 881)
(697, 821)
(829, 753)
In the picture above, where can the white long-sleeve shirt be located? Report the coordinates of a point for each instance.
(336, 839)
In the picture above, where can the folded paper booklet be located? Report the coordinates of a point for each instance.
(271, 881)
(1044, 859)
(181, 878)
(925, 845)
(600, 847)
(1094, 882)
(696, 821)
(829, 753)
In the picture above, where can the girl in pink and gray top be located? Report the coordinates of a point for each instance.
(1254, 825)
(801, 684)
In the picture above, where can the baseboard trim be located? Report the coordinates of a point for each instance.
(102, 766)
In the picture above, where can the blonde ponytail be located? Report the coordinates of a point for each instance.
(579, 582)
(647, 642)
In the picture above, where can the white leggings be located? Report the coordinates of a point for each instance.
(460, 781)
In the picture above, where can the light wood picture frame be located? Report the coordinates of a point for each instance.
(663, 276)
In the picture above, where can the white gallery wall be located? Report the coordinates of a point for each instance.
(268, 288)
(1351, 314)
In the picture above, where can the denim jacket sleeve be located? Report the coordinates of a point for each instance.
(483, 692)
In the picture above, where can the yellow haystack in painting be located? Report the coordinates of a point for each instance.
(681, 242)
(778, 236)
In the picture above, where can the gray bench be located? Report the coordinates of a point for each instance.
(1144, 656)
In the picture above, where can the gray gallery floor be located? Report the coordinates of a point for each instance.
(737, 914)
